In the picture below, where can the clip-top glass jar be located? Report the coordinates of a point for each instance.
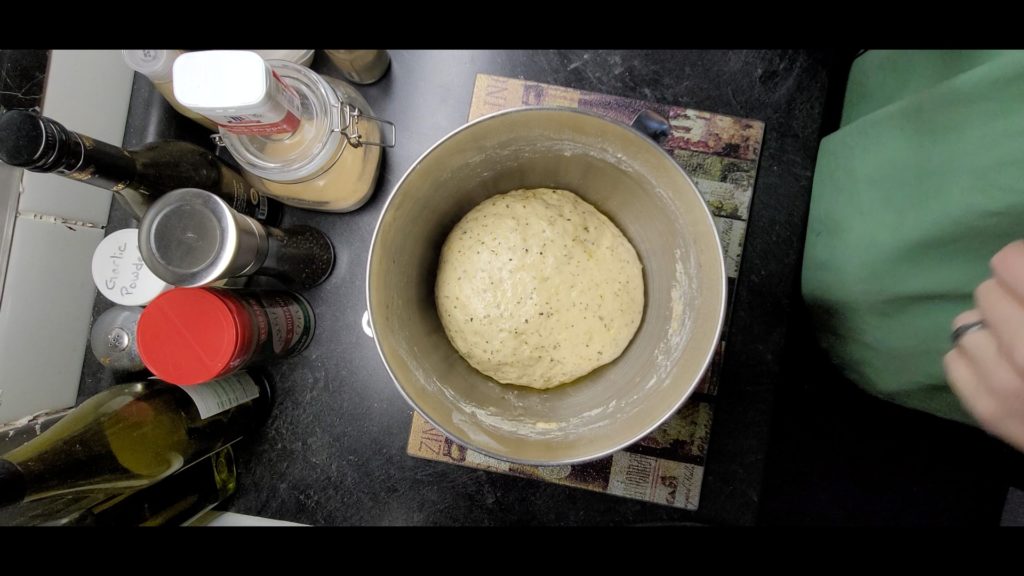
(331, 161)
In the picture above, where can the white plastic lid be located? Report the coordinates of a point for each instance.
(119, 272)
(303, 57)
(238, 90)
(220, 79)
(154, 64)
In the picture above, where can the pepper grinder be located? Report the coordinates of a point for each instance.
(190, 237)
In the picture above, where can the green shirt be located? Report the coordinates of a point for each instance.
(921, 185)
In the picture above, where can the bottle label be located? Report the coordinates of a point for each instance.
(121, 274)
(222, 394)
(278, 113)
(241, 196)
(284, 323)
(261, 212)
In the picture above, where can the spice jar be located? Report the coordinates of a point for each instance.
(190, 237)
(113, 339)
(308, 140)
(360, 66)
(192, 335)
(156, 65)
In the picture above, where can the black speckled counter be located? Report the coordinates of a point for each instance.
(22, 78)
(333, 451)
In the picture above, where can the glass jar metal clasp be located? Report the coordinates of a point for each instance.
(348, 124)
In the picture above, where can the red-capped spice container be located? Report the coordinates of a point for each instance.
(189, 336)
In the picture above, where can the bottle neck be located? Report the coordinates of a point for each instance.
(82, 158)
(12, 484)
(97, 163)
(61, 149)
(41, 144)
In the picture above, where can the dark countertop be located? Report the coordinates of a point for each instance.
(333, 452)
(22, 78)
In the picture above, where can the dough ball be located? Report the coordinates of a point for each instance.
(537, 288)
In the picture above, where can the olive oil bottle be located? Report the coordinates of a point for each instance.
(133, 435)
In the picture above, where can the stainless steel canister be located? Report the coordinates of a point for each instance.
(190, 237)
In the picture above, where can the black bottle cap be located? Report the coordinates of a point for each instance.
(12, 484)
(21, 137)
(265, 380)
(31, 141)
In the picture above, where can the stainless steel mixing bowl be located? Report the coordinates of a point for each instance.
(627, 177)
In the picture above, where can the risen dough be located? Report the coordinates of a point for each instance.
(537, 288)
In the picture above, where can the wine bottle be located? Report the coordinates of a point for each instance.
(132, 435)
(41, 144)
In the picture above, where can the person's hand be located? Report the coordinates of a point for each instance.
(986, 366)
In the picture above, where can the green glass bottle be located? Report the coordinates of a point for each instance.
(41, 144)
(133, 435)
(173, 501)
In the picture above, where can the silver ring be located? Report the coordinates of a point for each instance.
(959, 331)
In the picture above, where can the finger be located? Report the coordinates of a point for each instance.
(1004, 316)
(965, 317)
(979, 402)
(966, 384)
(996, 374)
(1008, 268)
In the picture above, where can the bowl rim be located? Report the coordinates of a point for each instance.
(705, 363)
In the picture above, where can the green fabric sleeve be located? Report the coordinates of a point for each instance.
(922, 184)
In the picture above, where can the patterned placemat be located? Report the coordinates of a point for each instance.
(720, 153)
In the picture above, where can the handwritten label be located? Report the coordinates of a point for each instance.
(124, 273)
(120, 272)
